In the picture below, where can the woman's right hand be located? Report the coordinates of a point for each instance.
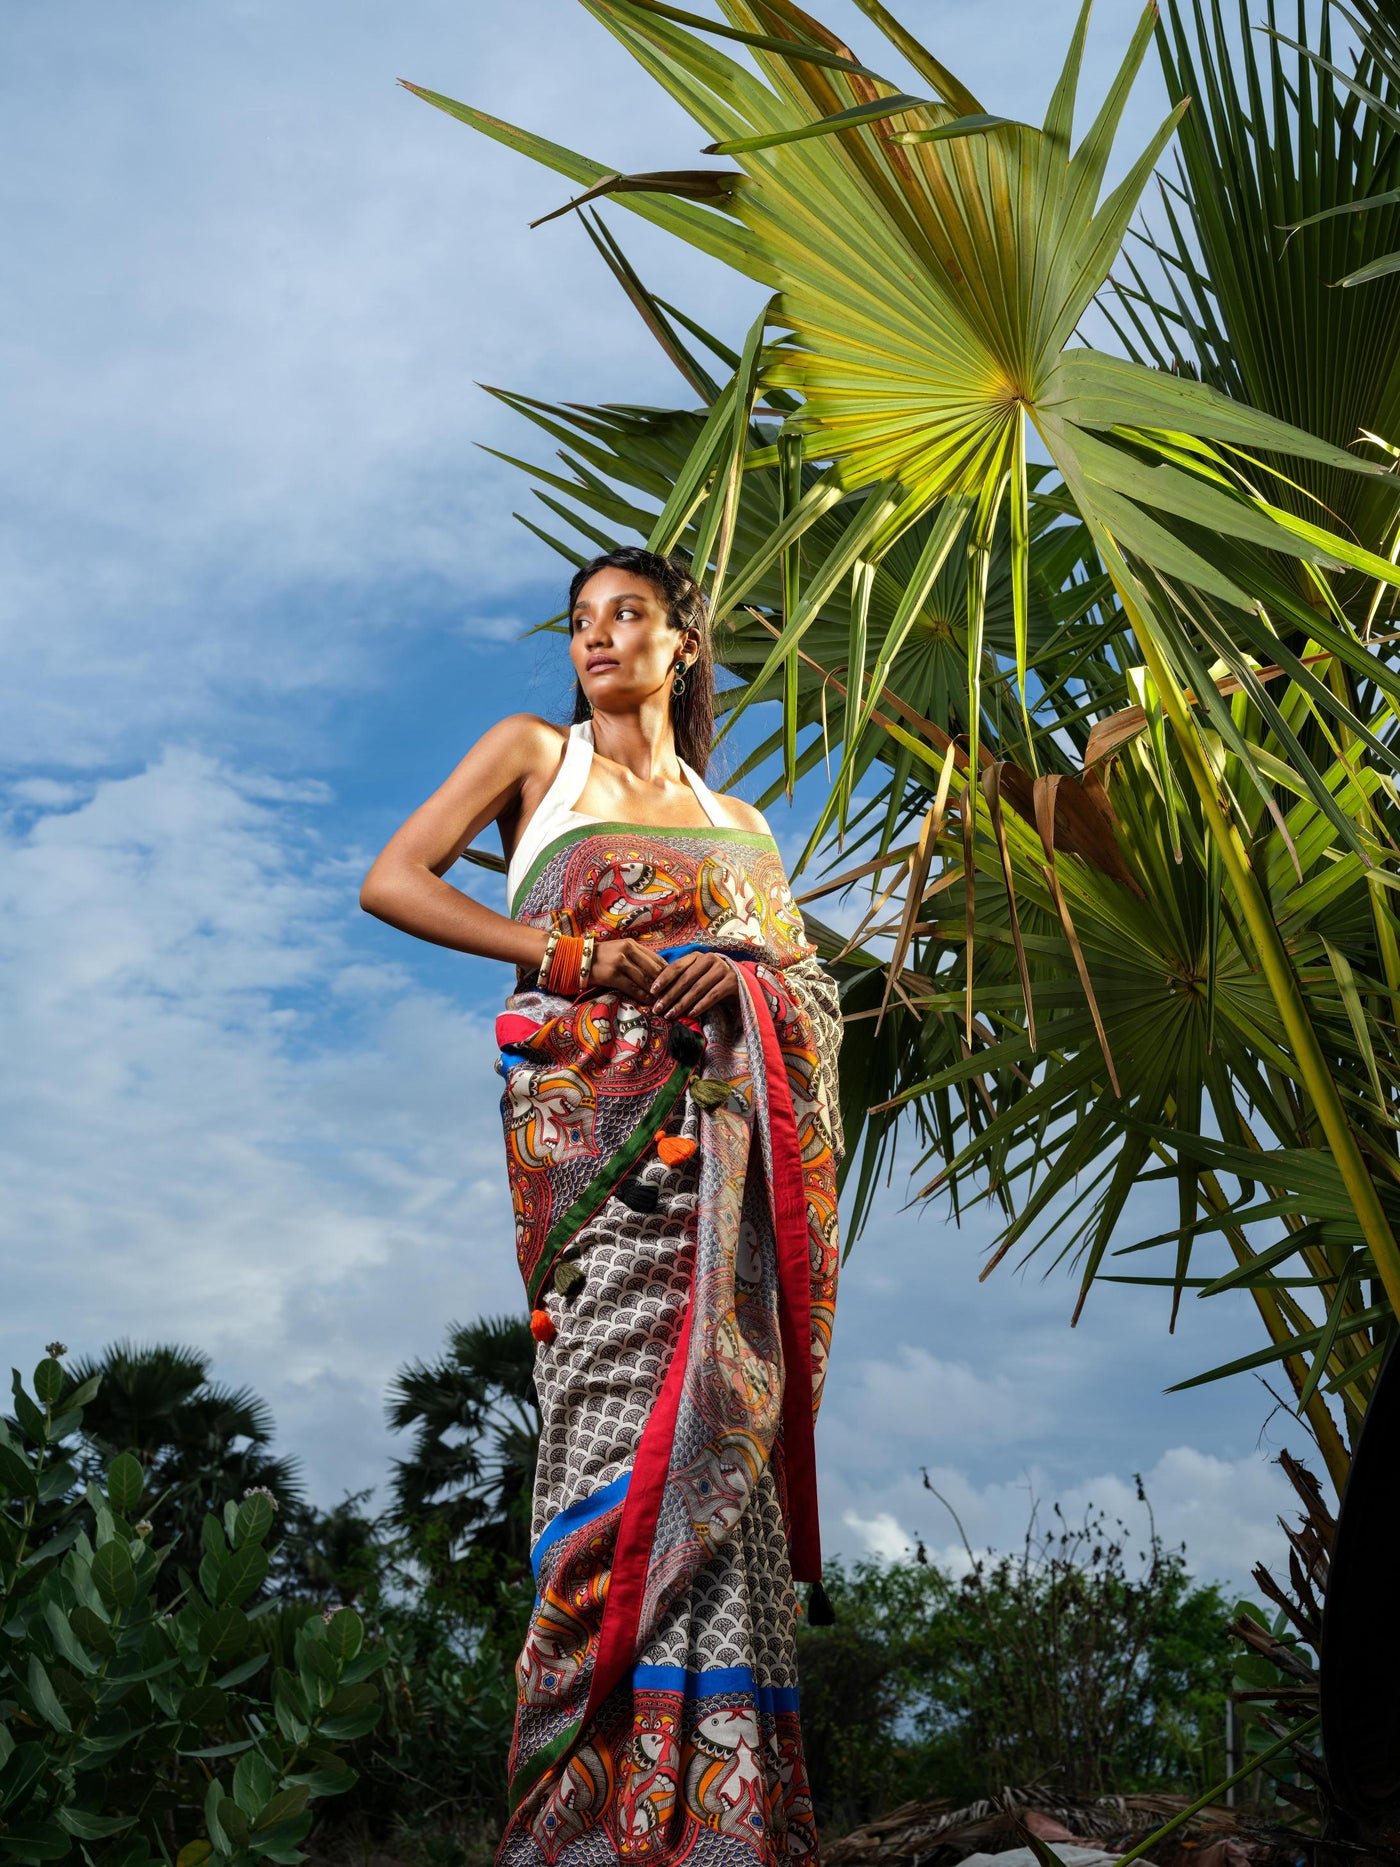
(625, 966)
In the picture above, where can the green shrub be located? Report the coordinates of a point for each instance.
(159, 1731)
(1071, 1662)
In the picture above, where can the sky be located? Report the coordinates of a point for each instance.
(260, 588)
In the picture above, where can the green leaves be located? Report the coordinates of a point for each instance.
(88, 1825)
(254, 1519)
(879, 110)
(345, 1635)
(222, 1631)
(43, 1696)
(49, 1381)
(240, 1574)
(133, 1711)
(126, 1480)
(683, 184)
(350, 1713)
(114, 1575)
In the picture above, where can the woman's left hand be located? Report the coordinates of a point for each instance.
(692, 984)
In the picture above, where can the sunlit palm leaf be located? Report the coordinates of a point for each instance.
(928, 286)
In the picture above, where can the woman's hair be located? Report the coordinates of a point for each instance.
(693, 712)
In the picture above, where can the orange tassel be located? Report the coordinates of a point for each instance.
(674, 1148)
(542, 1325)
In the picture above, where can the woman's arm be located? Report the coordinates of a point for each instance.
(505, 775)
(405, 887)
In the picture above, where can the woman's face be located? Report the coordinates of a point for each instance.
(623, 648)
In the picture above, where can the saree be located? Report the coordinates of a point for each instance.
(674, 1192)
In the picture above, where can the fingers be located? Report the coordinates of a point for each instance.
(651, 962)
(680, 988)
(670, 978)
(715, 996)
(638, 981)
(693, 987)
(673, 983)
(626, 966)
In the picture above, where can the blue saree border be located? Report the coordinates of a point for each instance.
(715, 1682)
(582, 1510)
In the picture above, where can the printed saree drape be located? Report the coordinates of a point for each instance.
(674, 1190)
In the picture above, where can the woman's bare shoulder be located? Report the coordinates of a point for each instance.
(524, 742)
(743, 816)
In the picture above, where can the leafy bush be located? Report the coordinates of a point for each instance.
(159, 1708)
(198, 1441)
(436, 1766)
(433, 1772)
(160, 1730)
(1065, 1663)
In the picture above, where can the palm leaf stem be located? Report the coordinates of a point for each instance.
(1329, 1440)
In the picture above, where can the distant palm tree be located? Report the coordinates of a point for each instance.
(337, 1554)
(201, 1443)
(463, 1493)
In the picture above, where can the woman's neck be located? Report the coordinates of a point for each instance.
(643, 743)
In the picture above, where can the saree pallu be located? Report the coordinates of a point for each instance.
(674, 1191)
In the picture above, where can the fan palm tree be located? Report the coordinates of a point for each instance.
(1135, 878)
(200, 1442)
(463, 1493)
(1375, 82)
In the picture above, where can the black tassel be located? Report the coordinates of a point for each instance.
(685, 1045)
(820, 1612)
(640, 1195)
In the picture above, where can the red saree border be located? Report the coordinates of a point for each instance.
(788, 1194)
(636, 1532)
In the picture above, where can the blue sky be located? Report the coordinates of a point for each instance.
(260, 591)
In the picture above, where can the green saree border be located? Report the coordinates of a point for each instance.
(550, 850)
(544, 1759)
(573, 1219)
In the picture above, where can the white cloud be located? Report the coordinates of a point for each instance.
(48, 793)
(912, 1397)
(882, 1535)
(252, 288)
(226, 1126)
(1225, 1511)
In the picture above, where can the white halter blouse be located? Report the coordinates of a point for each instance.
(556, 814)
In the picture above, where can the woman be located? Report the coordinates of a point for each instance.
(671, 1143)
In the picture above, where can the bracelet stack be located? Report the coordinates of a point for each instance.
(566, 963)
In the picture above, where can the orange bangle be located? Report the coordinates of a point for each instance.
(566, 967)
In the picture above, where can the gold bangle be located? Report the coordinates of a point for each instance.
(551, 942)
(590, 946)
